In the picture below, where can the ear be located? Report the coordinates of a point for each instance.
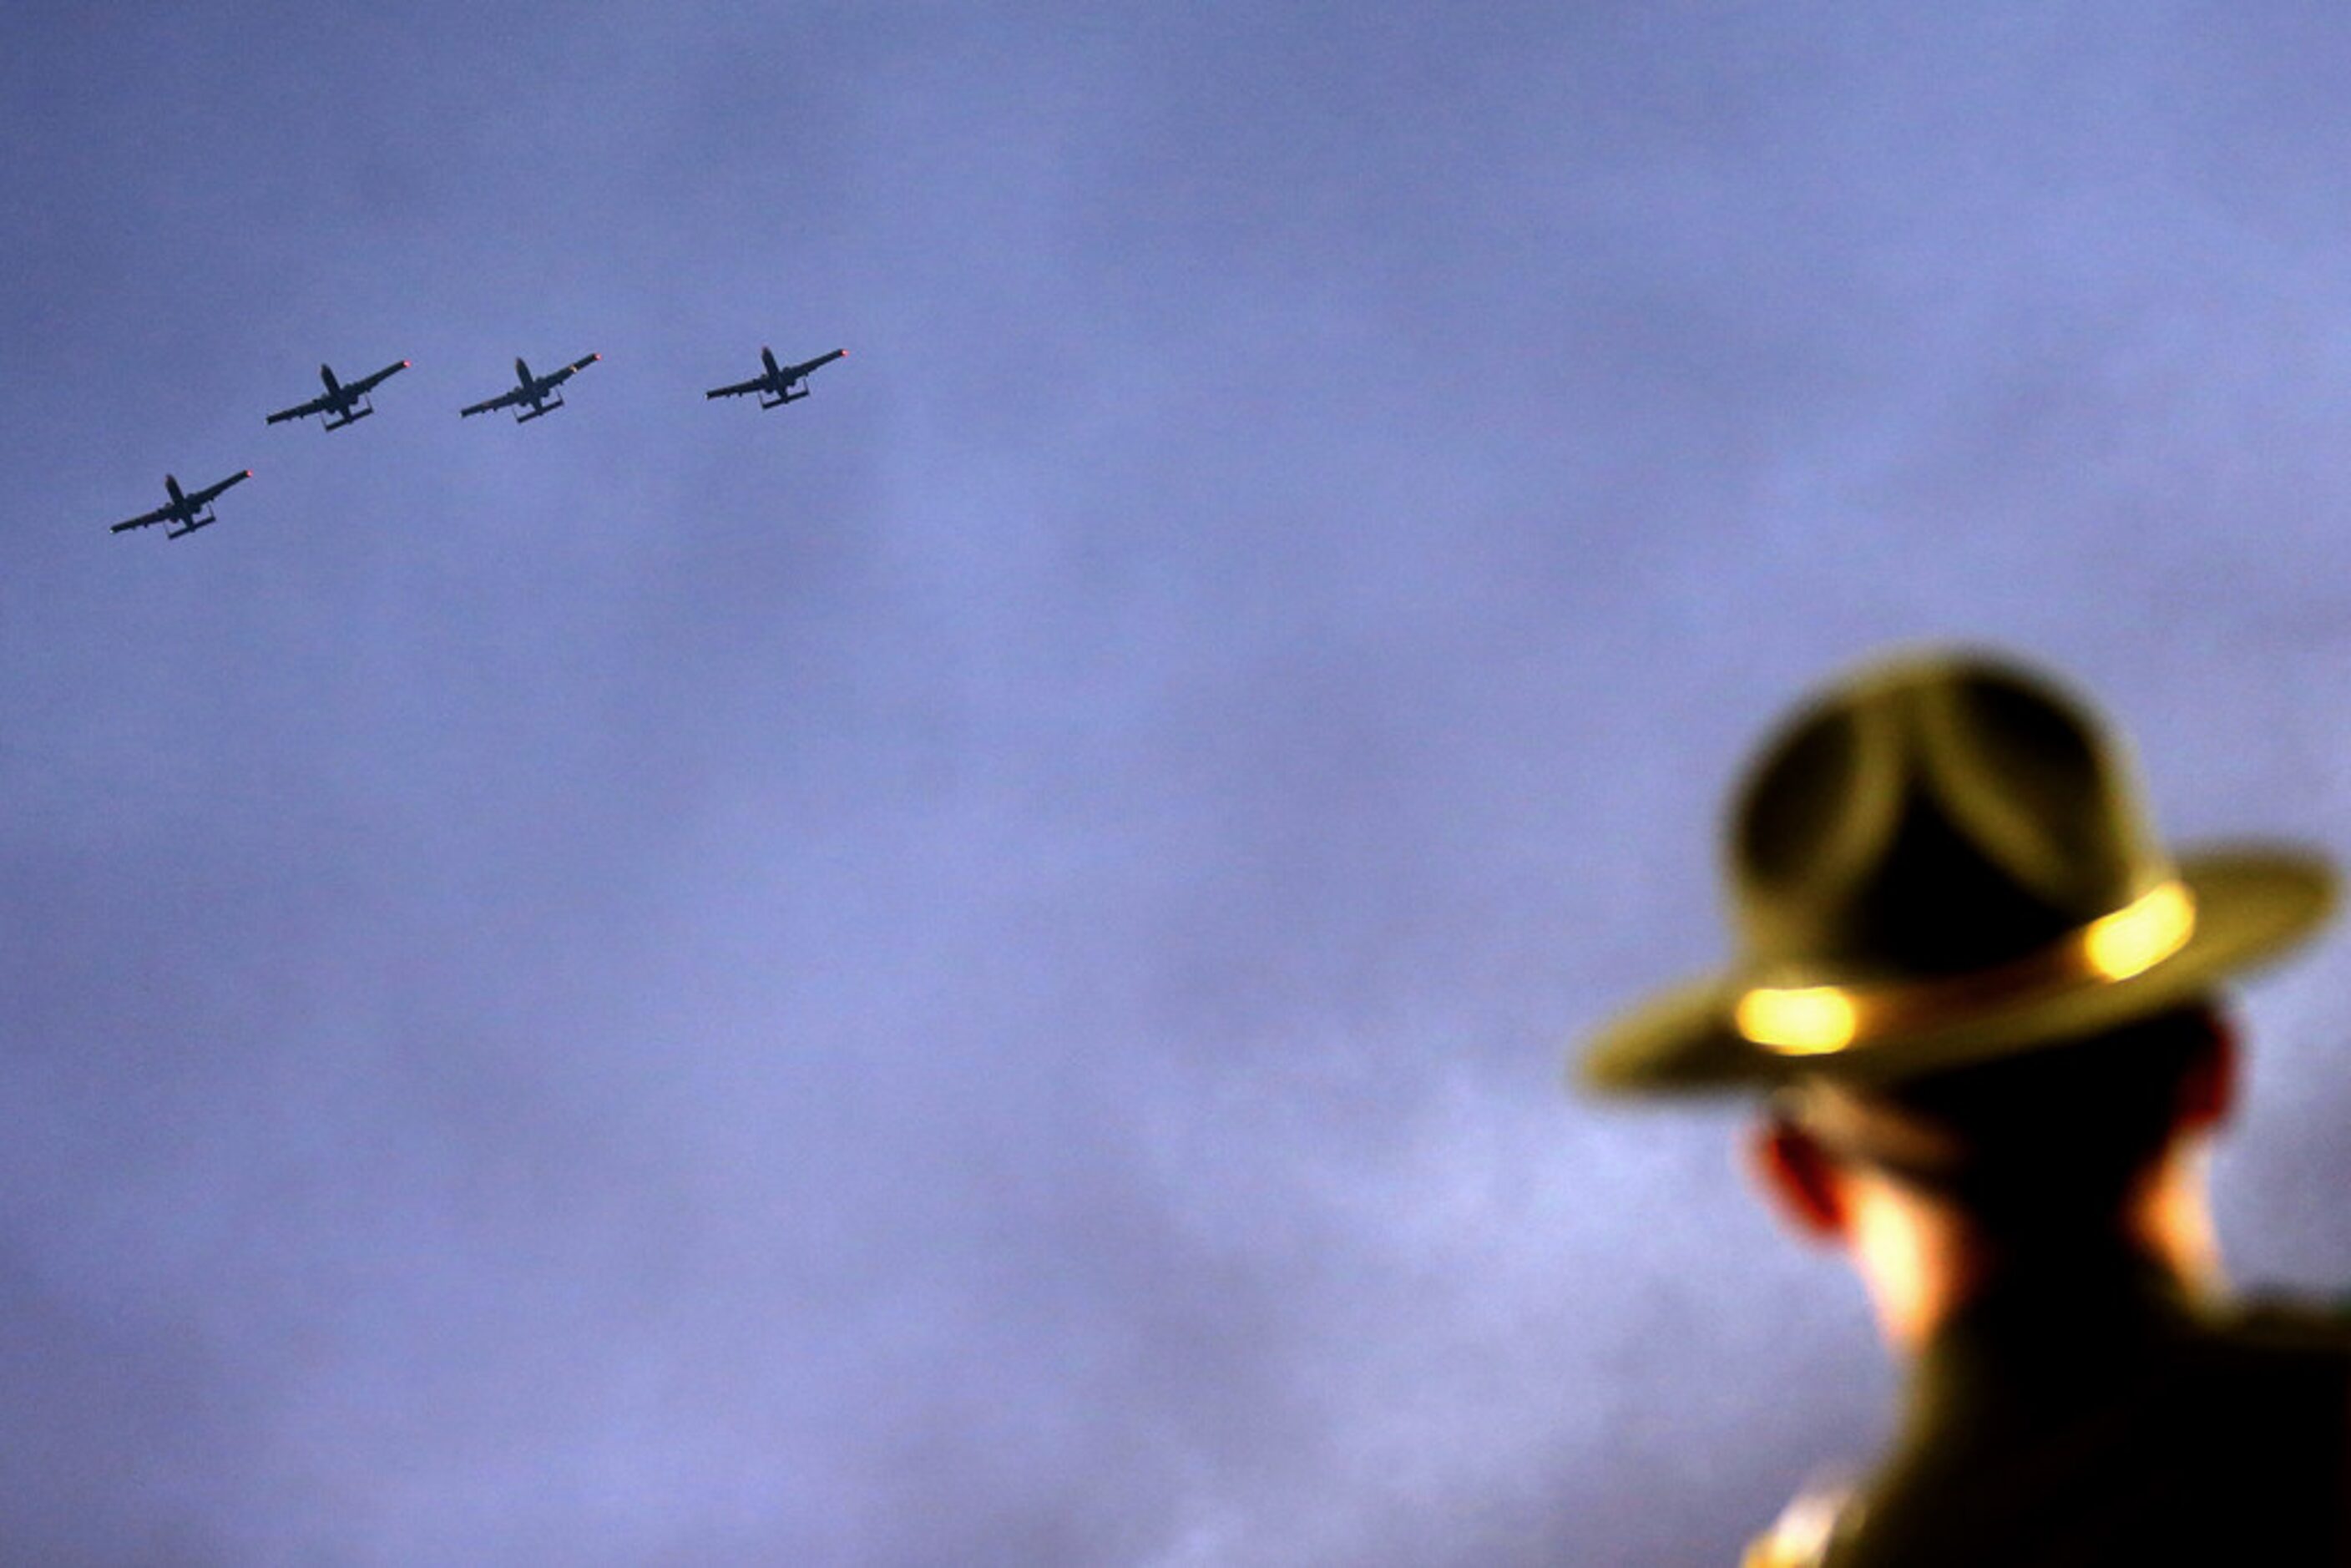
(1798, 1178)
(2209, 1091)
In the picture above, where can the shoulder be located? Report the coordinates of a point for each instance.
(2321, 1317)
(1813, 1521)
(2312, 1333)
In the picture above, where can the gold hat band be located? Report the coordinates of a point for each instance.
(1817, 1020)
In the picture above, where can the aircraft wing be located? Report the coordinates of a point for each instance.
(797, 371)
(756, 383)
(204, 496)
(369, 383)
(299, 411)
(556, 378)
(503, 400)
(141, 521)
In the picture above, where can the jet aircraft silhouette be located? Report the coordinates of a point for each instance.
(342, 402)
(774, 387)
(188, 509)
(537, 391)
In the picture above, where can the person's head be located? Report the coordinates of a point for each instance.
(2048, 1146)
(2040, 1165)
(1973, 987)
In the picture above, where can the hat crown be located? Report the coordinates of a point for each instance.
(1949, 814)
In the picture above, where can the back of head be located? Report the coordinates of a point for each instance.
(2047, 1145)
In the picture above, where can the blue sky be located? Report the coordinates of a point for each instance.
(976, 968)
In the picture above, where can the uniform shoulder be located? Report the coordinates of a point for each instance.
(2314, 1321)
(2278, 1365)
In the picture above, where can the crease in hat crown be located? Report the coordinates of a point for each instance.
(1946, 856)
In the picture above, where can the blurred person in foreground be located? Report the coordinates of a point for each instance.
(1977, 1000)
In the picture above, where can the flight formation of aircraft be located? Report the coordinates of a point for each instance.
(345, 402)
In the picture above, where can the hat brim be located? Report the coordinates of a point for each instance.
(2251, 904)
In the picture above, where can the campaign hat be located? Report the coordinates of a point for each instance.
(1941, 860)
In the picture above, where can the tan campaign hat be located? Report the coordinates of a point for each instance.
(1942, 860)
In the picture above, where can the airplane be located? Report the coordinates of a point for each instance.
(775, 388)
(187, 510)
(342, 403)
(537, 391)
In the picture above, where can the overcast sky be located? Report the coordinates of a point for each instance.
(976, 969)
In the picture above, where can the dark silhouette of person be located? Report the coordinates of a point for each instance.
(1978, 1002)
